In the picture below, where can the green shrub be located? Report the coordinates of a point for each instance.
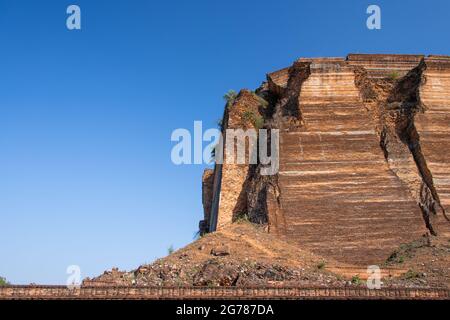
(411, 274)
(241, 217)
(230, 96)
(3, 282)
(321, 265)
(258, 122)
(394, 75)
(356, 279)
(255, 119)
(248, 116)
(170, 250)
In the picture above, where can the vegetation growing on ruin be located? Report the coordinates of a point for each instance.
(406, 251)
(242, 217)
(259, 122)
(230, 97)
(356, 280)
(253, 118)
(394, 75)
(412, 274)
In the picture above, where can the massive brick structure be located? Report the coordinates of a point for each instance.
(363, 163)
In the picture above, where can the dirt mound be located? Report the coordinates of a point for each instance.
(244, 254)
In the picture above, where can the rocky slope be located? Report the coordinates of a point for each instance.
(244, 254)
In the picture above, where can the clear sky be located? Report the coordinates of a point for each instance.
(86, 115)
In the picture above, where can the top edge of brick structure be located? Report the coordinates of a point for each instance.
(321, 59)
(384, 57)
(439, 56)
(364, 58)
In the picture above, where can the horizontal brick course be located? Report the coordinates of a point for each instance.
(155, 293)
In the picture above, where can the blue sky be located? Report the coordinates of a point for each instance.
(86, 116)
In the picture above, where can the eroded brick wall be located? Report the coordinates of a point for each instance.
(229, 195)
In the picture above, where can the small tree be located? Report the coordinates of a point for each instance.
(170, 250)
(3, 282)
(230, 96)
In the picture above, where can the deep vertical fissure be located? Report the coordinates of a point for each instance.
(395, 104)
(285, 115)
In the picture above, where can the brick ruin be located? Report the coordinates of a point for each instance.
(363, 156)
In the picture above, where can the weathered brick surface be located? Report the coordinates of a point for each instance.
(385, 65)
(278, 80)
(433, 127)
(155, 293)
(339, 196)
(353, 185)
(233, 197)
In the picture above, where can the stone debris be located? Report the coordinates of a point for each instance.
(222, 250)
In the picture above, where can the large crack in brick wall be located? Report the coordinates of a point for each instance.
(394, 103)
